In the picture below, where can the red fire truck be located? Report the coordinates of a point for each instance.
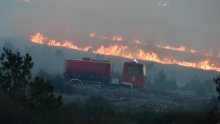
(88, 70)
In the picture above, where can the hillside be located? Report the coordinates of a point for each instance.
(56, 57)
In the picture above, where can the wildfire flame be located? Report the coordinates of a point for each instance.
(208, 54)
(114, 50)
(126, 52)
(122, 51)
(114, 38)
(118, 38)
(180, 49)
(40, 39)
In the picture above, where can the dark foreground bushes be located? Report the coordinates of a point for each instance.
(97, 110)
(22, 97)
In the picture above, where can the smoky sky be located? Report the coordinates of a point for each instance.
(193, 23)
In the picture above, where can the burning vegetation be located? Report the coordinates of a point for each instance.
(127, 52)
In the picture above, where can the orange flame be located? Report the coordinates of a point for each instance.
(180, 49)
(40, 39)
(126, 52)
(114, 38)
(114, 50)
(118, 38)
(168, 47)
(123, 51)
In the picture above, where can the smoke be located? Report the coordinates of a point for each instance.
(136, 41)
(26, 1)
(190, 25)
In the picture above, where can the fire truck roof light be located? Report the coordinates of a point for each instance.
(135, 60)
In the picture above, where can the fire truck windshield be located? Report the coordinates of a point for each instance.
(135, 70)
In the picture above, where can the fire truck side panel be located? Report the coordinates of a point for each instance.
(88, 70)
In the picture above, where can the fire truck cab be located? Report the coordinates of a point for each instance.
(134, 73)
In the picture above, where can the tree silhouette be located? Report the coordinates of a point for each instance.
(172, 84)
(214, 115)
(160, 77)
(162, 82)
(15, 73)
(16, 82)
(195, 85)
(217, 82)
(42, 96)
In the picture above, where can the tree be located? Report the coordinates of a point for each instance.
(195, 85)
(209, 87)
(214, 114)
(16, 82)
(162, 82)
(171, 84)
(42, 96)
(15, 73)
(217, 82)
(160, 78)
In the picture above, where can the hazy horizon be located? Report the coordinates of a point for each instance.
(190, 23)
